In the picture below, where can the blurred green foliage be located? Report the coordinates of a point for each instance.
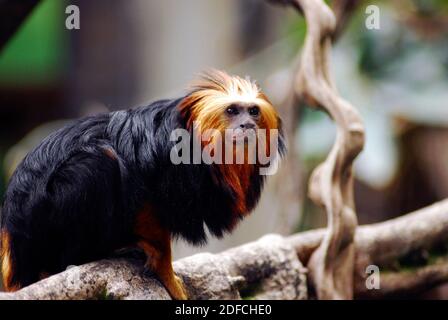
(35, 55)
(430, 7)
(380, 53)
(297, 28)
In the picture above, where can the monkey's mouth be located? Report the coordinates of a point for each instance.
(243, 135)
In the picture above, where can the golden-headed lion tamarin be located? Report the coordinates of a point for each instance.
(107, 182)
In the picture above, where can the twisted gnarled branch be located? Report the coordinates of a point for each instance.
(331, 185)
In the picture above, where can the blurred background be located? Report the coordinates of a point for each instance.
(130, 52)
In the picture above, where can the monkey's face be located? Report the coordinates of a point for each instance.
(230, 109)
(242, 118)
(221, 102)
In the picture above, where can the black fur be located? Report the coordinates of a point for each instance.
(69, 202)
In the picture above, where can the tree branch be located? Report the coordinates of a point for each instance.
(384, 243)
(267, 268)
(331, 183)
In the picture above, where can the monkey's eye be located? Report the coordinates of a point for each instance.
(254, 111)
(232, 110)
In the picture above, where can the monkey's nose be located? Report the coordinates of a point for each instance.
(247, 125)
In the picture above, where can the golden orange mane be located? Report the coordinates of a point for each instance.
(214, 91)
(205, 107)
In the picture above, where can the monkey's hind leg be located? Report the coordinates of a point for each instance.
(156, 243)
(159, 262)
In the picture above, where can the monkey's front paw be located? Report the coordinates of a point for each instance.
(179, 292)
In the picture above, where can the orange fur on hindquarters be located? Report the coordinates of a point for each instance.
(7, 266)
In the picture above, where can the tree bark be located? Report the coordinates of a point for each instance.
(270, 268)
(265, 269)
(384, 243)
